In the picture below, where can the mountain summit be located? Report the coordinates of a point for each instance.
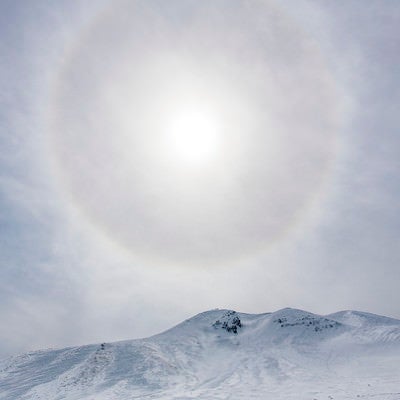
(223, 354)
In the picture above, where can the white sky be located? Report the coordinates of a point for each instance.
(116, 225)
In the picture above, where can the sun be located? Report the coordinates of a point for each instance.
(193, 135)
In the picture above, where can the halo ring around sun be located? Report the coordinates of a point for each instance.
(193, 133)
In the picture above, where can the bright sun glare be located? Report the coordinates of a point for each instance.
(193, 135)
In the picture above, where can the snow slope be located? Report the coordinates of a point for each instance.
(223, 354)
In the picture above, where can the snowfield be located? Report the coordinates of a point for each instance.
(223, 354)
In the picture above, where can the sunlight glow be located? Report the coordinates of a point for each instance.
(193, 135)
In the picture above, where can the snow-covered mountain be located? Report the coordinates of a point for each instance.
(223, 354)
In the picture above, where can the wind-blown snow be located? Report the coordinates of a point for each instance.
(223, 354)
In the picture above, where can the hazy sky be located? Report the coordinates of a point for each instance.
(161, 158)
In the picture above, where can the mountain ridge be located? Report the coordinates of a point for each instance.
(217, 353)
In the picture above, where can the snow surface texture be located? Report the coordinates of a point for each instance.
(222, 354)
